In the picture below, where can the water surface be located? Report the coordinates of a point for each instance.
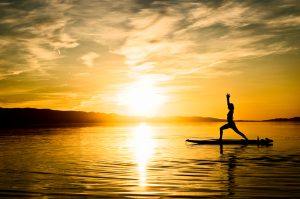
(148, 161)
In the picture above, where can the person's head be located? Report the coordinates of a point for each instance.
(230, 106)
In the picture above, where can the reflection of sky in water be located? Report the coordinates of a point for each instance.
(143, 146)
(148, 161)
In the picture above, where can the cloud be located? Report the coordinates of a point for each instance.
(194, 37)
(285, 21)
(89, 58)
(36, 30)
(168, 34)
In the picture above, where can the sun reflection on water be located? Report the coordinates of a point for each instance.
(143, 145)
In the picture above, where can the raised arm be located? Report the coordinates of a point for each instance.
(228, 102)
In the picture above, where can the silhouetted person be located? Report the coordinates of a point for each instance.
(230, 122)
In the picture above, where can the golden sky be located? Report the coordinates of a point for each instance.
(144, 57)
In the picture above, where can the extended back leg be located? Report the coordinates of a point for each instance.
(240, 133)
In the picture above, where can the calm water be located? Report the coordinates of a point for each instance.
(148, 161)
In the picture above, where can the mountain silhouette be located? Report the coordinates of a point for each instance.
(20, 117)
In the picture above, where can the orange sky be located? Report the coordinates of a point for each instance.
(152, 58)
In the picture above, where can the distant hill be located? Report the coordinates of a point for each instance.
(293, 119)
(14, 117)
(20, 117)
(182, 119)
(32, 117)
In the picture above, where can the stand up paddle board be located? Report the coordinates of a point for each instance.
(261, 142)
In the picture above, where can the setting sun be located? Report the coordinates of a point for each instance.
(142, 98)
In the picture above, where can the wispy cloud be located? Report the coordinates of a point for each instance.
(175, 34)
(88, 59)
(34, 32)
(190, 37)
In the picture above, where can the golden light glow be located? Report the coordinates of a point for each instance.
(143, 146)
(195, 53)
(142, 98)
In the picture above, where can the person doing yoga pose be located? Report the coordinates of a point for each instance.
(230, 122)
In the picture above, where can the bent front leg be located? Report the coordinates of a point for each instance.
(226, 126)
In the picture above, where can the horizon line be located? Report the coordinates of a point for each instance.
(153, 117)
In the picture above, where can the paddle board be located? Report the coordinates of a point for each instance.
(262, 142)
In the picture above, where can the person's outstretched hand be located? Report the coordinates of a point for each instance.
(228, 95)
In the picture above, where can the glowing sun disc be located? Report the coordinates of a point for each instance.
(141, 98)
